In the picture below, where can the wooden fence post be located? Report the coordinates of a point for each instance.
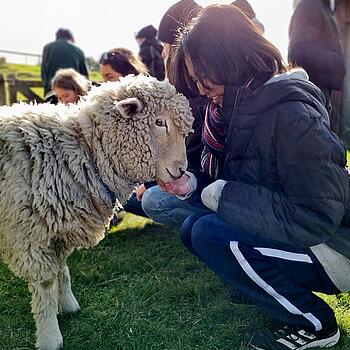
(11, 78)
(24, 87)
(2, 90)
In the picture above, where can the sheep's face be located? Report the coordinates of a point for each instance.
(168, 148)
(139, 125)
(164, 152)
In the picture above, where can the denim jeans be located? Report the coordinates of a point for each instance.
(279, 278)
(169, 210)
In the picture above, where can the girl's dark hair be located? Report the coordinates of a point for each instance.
(225, 48)
(123, 61)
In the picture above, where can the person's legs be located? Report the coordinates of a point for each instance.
(278, 278)
(168, 209)
(133, 206)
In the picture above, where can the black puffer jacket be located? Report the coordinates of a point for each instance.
(151, 56)
(285, 168)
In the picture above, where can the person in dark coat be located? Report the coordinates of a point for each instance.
(314, 44)
(277, 187)
(157, 202)
(151, 51)
(247, 9)
(61, 53)
(177, 16)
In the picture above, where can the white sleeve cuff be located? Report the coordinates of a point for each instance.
(193, 184)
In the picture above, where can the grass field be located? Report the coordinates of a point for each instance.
(140, 289)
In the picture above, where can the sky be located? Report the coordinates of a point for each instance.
(98, 26)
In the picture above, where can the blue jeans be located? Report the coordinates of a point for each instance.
(169, 210)
(277, 277)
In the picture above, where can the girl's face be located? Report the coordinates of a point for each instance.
(214, 92)
(108, 73)
(66, 96)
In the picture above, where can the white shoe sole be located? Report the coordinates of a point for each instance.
(322, 343)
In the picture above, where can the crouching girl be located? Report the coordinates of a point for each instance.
(279, 185)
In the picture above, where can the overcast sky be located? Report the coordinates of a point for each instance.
(101, 25)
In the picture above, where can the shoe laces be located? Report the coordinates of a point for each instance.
(294, 334)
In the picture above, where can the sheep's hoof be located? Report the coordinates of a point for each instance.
(60, 346)
(55, 344)
(69, 305)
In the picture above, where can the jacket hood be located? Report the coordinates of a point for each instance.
(153, 42)
(290, 86)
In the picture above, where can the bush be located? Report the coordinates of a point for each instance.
(2, 61)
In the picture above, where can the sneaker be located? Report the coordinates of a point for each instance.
(292, 338)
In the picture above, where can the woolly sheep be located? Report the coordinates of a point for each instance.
(63, 170)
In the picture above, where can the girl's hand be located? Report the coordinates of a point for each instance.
(140, 191)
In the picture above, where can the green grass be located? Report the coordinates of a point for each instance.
(27, 71)
(140, 289)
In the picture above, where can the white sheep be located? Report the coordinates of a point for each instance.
(63, 170)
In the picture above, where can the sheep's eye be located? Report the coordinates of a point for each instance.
(160, 122)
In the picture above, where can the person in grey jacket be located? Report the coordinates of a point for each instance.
(277, 187)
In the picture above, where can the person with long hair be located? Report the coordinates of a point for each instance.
(68, 85)
(273, 177)
(120, 62)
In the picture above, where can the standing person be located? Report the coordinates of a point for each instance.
(61, 53)
(314, 44)
(151, 51)
(279, 187)
(68, 85)
(120, 62)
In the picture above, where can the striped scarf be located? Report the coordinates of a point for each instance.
(213, 138)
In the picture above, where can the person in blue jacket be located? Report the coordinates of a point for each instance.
(276, 185)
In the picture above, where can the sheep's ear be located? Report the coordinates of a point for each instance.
(129, 107)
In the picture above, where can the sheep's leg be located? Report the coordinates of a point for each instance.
(66, 298)
(45, 309)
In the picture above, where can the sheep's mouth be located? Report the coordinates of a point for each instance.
(171, 175)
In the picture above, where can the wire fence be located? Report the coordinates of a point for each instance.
(21, 57)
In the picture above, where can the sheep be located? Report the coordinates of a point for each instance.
(63, 171)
